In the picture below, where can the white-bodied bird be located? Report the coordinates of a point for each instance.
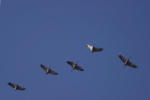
(93, 49)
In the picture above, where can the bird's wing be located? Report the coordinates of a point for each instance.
(79, 68)
(43, 67)
(131, 64)
(123, 59)
(53, 72)
(20, 88)
(98, 49)
(11, 84)
(70, 63)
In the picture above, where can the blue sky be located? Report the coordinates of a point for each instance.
(50, 32)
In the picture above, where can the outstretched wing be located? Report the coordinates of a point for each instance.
(79, 68)
(11, 84)
(20, 88)
(123, 59)
(97, 49)
(131, 64)
(53, 72)
(43, 67)
(70, 63)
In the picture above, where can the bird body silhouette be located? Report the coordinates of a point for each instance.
(48, 70)
(127, 62)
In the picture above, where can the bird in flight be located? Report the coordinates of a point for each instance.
(75, 66)
(93, 49)
(127, 62)
(16, 86)
(48, 70)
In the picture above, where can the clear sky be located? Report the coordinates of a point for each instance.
(50, 32)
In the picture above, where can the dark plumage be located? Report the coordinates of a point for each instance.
(15, 86)
(75, 66)
(48, 70)
(127, 62)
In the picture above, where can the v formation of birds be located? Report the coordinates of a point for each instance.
(75, 66)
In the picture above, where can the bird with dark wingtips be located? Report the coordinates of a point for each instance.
(75, 66)
(94, 49)
(16, 86)
(127, 62)
(48, 70)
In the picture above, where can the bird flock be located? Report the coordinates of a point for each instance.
(75, 66)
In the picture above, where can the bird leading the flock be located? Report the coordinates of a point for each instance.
(16, 86)
(127, 62)
(48, 70)
(75, 66)
(93, 49)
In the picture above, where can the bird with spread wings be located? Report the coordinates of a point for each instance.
(48, 70)
(127, 62)
(16, 86)
(93, 49)
(75, 66)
